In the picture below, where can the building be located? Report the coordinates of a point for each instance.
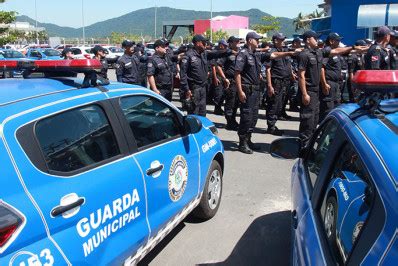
(25, 27)
(233, 25)
(356, 19)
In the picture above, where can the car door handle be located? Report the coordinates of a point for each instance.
(153, 170)
(294, 219)
(61, 209)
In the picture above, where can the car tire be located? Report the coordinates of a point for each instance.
(212, 192)
(330, 222)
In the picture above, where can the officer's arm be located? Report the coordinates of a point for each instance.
(302, 84)
(269, 77)
(340, 51)
(150, 74)
(302, 60)
(184, 74)
(221, 72)
(324, 84)
(119, 70)
(215, 54)
(238, 81)
(152, 84)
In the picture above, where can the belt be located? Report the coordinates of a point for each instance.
(251, 87)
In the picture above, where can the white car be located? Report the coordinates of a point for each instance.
(82, 52)
(112, 54)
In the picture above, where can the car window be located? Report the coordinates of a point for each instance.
(346, 203)
(319, 149)
(51, 52)
(12, 54)
(76, 139)
(34, 53)
(150, 120)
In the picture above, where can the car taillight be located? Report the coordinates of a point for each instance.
(87, 56)
(11, 224)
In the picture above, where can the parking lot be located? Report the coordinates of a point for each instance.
(252, 226)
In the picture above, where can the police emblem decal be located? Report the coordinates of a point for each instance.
(178, 178)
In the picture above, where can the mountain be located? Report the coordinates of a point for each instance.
(142, 21)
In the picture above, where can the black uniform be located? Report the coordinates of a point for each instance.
(311, 62)
(161, 68)
(104, 69)
(393, 58)
(333, 68)
(377, 58)
(231, 98)
(248, 63)
(281, 74)
(127, 69)
(217, 90)
(194, 76)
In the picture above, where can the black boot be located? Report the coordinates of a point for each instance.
(274, 131)
(252, 146)
(243, 145)
(218, 110)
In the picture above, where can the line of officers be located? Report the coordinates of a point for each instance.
(232, 74)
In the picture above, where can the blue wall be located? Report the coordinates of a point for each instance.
(345, 15)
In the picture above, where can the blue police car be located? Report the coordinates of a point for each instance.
(100, 174)
(43, 54)
(345, 183)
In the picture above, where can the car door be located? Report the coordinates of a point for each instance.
(168, 158)
(307, 246)
(75, 166)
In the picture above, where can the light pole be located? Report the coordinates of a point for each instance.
(84, 33)
(156, 17)
(37, 34)
(211, 21)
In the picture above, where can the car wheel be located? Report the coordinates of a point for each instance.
(211, 198)
(330, 221)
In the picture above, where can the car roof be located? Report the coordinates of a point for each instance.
(381, 132)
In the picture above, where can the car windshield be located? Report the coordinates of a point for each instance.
(150, 46)
(116, 50)
(51, 52)
(11, 54)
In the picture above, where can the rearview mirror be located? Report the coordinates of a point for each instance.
(192, 124)
(286, 148)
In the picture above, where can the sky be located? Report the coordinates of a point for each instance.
(69, 12)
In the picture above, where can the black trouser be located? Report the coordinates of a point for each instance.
(199, 99)
(328, 102)
(249, 110)
(166, 91)
(218, 94)
(231, 102)
(275, 102)
(309, 115)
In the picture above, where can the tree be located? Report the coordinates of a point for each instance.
(217, 35)
(303, 22)
(5, 19)
(270, 24)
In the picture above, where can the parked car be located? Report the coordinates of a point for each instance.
(43, 54)
(345, 183)
(8, 54)
(98, 175)
(82, 52)
(112, 54)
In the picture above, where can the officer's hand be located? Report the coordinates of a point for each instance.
(270, 91)
(298, 50)
(227, 83)
(306, 99)
(188, 94)
(326, 89)
(242, 96)
(294, 76)
(178, 76)
(156, 91)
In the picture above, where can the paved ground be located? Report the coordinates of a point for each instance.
(252, 226)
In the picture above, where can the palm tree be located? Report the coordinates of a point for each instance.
(301, 22)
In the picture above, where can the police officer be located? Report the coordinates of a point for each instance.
(377, 57)
(226, 70)
(216, 85)
(194, 73)
(160, 71)
(331, 75)
(310, 62)
(128, 64)
(99, 54)
(139, 52)
(393, 48)
(292, 95)
(279, 76)
(67, 53)
(356, 61)
(247, 79)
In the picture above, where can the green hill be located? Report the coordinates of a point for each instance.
(142, 22)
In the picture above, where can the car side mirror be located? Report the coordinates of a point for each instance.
(286, 148)
(192, 124)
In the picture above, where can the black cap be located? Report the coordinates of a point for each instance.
(140, 45)
(233, 39)
(199, 38)
(278, 36)
(127, 43)
(159, 43)
(166, 42)
(334, 36)
(297, 39)
(360, 43)
(223, 42)
(65, 51)
(309, 34)
(96, 49)
(383, 31)
(253, 35)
